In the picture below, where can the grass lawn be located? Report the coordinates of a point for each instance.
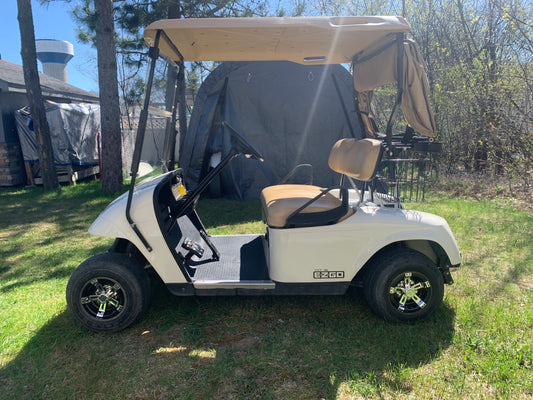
(479, 345)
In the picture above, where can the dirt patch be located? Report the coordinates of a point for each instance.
(514, 192)
(239, 344)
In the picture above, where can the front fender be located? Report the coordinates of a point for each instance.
(112, 223)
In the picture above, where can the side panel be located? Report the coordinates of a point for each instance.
(336, 253)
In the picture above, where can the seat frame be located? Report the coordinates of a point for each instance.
(298, 219)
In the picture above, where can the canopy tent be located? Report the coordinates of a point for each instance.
(285, 110)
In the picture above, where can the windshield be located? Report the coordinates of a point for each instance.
(160, 148)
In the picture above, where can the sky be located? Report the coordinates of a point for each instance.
(50, 22)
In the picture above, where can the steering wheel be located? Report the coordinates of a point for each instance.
(241, 145)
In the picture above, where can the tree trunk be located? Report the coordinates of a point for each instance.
(109, 101)
(35, 97)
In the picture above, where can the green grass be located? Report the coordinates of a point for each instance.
(479, 345)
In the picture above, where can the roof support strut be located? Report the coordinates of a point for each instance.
(153, 53)
(400, 37)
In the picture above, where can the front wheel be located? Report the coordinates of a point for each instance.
(108, 292)
(404, 286)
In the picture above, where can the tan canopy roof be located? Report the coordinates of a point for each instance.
(307, 40)
(304, 40)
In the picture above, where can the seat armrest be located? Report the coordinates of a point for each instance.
(295, 170)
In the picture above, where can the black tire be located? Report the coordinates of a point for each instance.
(404, 286)
(108, 292)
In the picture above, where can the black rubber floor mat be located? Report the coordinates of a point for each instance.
(242, 258)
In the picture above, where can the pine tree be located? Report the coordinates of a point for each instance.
(109, 100)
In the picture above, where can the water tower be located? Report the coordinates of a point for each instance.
(54, 55)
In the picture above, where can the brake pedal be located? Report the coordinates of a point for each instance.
(193, 248)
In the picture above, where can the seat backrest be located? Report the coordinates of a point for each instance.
(355, 158)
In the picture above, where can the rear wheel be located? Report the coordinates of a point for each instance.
(404, 286)
(108, 292)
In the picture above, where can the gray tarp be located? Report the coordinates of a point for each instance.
(290, 113)
(73, 130)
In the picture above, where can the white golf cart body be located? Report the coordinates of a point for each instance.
(325, 254)
(157, 218)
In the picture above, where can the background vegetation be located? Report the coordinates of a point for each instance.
(477, 346)
(478, 55)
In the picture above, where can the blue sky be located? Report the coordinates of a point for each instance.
(52, 22)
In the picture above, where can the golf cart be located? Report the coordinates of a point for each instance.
(318, 241)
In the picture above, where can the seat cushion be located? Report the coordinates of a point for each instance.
(280, 201)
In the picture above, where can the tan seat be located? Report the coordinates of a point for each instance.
(280, 201)
(355, 158)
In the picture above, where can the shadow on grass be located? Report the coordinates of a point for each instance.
(53, 218)
(229, 348)
(54, 265)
